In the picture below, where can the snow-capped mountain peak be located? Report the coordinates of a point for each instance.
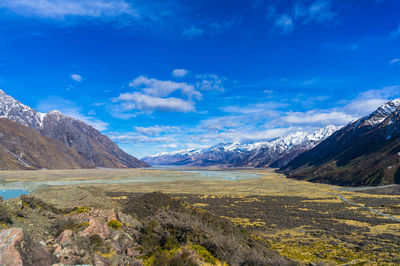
(18, 112)
(245, 154)
(382, 113)
(95, 148)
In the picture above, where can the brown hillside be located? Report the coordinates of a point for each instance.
(24, 148)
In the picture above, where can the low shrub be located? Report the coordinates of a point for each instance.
(171, 258)
(115, 224)
(204, 254)
(61, 224)
(33, 203)
(5, 215)
(81, 210)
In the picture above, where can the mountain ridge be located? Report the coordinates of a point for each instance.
(97, 149)
(365, 152)
(257, 154)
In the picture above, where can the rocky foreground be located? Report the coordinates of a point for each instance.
(153, 229)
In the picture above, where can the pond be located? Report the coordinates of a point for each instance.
(12, 193)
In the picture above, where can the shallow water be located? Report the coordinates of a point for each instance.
(12, 193)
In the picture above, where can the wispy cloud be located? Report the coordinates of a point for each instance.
(134, 138)
(265, 108)
(285, 23)
(76, 77)
(59, 9)
(319, 11)
(395, 61)
(193, 31)
(301, 13)
(317, 118)
(156, 130)
(396, 32)
(208, 82)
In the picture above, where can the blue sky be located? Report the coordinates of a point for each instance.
(159, 76)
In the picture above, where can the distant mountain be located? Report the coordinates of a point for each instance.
(365, 152)
(274, 153)
(96, 149)
(23, 148)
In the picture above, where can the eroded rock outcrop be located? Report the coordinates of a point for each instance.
(16, 250)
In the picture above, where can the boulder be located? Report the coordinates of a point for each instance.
(10, 239)
(64, 237)
(15, 250)
(96, 227)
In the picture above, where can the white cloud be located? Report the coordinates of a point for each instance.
(208, 82)
(168, 146)
(285, 23)
(395, 61)
(179, 73)
(69, 108)
(221, 123)
(151, 95)
(76, 77)
(148, 104)
(194, 146)
(364, 106)
(59, 9)
(318, 118)
(385, 93)
(257, 122)
(163, 88)
(193, 32)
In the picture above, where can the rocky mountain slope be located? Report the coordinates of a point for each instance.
(365, 152)
(96, 149)
(274, 153)
(24, 148)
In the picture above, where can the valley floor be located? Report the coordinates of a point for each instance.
(303, 221)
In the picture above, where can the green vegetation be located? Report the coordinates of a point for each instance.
(5, 216)
(81, 210)
(204, 254)
(171, 257)
(115, 224)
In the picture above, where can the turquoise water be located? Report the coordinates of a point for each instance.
(12, 193)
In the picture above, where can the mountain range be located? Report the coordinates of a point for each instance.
(365, 152)
(87, 145)
(274, 153)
